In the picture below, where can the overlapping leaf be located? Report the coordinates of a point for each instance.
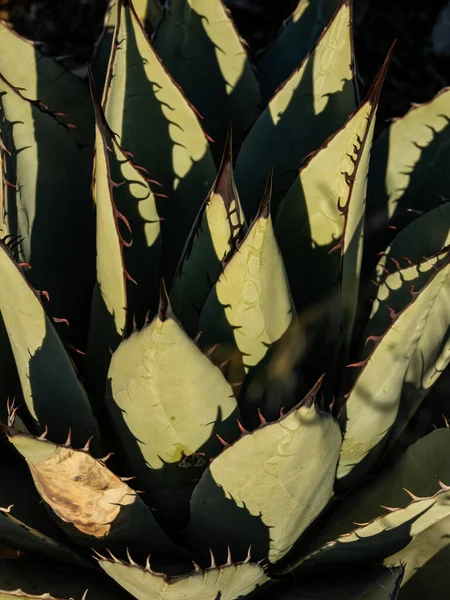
(52, 391)
(211, 241)
(227, 582)
(311, 105)
(250, 307)
(255, 492)
(296, 38)
(321, 220)
(410, 354)
(126, 268)
(201, 48)
(90, 503)
(145, 107)
(408, 171)
(44, 212)
(168, 402)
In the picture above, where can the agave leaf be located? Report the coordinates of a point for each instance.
(90, 503)
(373, 541)
(44, 212)
(212, 239)
(167, 402)
(312, 104)
(376, 583)
(255, 489)
(250, 307)
(410, 354)
(44, 79)
(109, 303)
(198, 43)
(33, 578)
(149, 12)
(126, 270)
(52, 391)
(426, 563)
(408, 169)
(103, 48)
(24, 521)
(9, 378)
(394, 290)
(227, 582)
(19, 595)
(18, 535)
(433, 231)
(296, 38)
(415, 474)
(145, 107)
(3, 188)
(321, 219)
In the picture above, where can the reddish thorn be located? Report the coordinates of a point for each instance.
(361, 363)
(373, 338)
(58, 320)
(211, 350)
(261, 418)
(241, 428)
(224, 363)
(410, 263)
(222, 441)
(396, 263)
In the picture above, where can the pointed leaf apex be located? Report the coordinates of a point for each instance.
(224, 183)
(310, 397)
(375, 89)
(164, 309)
(264, 209)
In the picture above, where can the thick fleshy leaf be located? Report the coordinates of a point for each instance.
(408, 169)
(296, 38)
(90, 503)
(24, 521)
(407, 358)
(321, 220)
(19, 595)
(415, 474)
(311, 105)
(43, 211)
(149, 12)
(145, 107)
(211, 241)
(198, 43)
(376, 583)
(433, 231)
(227, 582)
(269, 486)
(128, 242)
(3, 189)
(167, 402)
(109, 302)
(43, 580)
(426, 563)
(18, 535)
(373, 541)
(52, 391)
(45, 79)
(250, 307)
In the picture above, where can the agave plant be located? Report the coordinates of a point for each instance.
(208, 364)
